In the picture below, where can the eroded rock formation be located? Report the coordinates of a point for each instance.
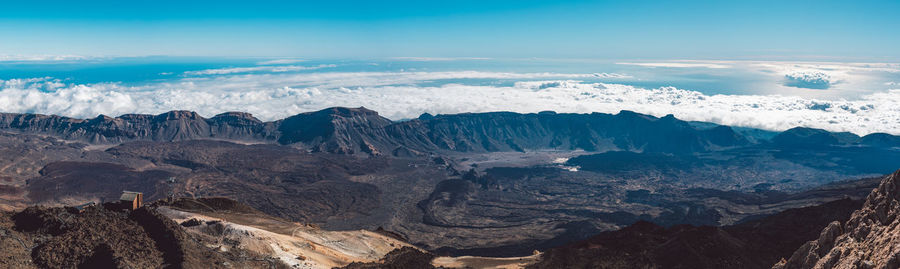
(870, 239)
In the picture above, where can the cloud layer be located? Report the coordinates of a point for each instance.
(272, 69)
(398, 95)
(38, 58)
(809, 80)
(680, 64)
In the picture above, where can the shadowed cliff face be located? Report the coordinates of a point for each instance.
(867, 240)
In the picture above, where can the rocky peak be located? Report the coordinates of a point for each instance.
(426, 116)
(347, 112)
(632, 114)
(867, 240)
(105, 121)
(337, 129)
(235, 114)
(804, 137)
(104, 118)
(724, 136)
(235, 117)
(178, 115)
(880, 140)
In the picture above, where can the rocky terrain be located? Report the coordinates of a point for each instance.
(185, 233)
(867, 240)
(102, 237)
(227, 225)
(842, 234)
(563, 213)
(483, 184)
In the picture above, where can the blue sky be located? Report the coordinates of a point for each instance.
(758, 30)
(765, 64)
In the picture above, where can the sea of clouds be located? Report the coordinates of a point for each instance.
(401, 95)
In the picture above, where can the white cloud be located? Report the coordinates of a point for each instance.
(841, 68)
(358, 79)
(36, 58)
(274, 69)
(42, 84)
(396, 95)
(611, 75)
(685, 64)
(438, 59)
(280, 61)
(809, 80)
(843, 78)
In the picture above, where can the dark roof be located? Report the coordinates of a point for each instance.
(129, 195)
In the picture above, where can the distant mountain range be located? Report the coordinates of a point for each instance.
(363, 131)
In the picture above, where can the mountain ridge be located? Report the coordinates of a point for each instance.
(363, 131)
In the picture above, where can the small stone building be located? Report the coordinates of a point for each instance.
(131, 200)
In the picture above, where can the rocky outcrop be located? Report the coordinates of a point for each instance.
(240, 125)
(868, 240)
(338, 130)
(95, 238)
(406, 257)
(102, 236)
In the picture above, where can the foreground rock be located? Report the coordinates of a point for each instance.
(406, 257)
(102, 237)
(189, 233)
(868, 240)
